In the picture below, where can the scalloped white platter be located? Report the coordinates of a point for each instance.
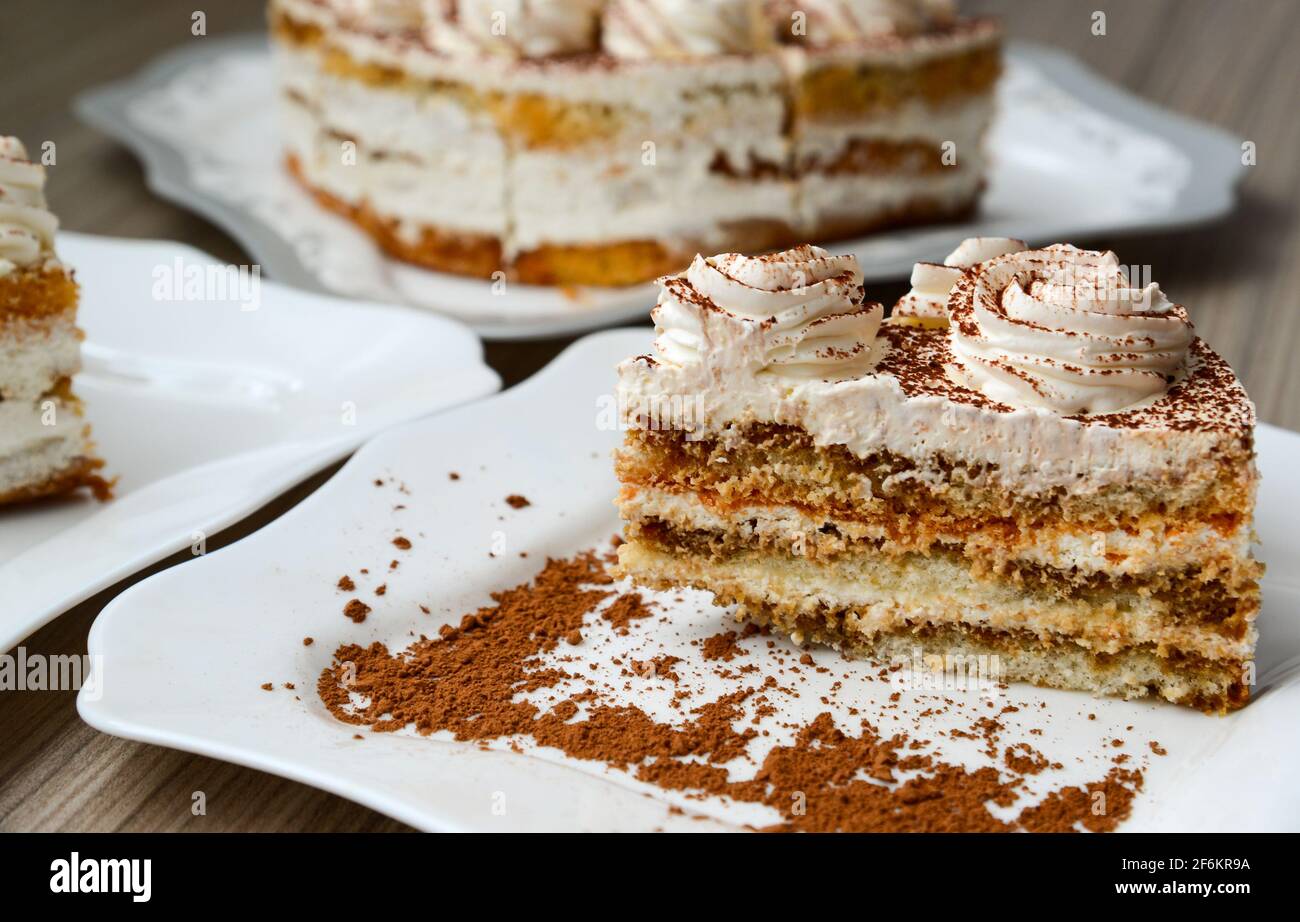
(195, 683)
(1074, 156)
(206, 409)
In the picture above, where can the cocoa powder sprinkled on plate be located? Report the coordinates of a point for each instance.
(356, 610)
(515, 501)
(473, 680)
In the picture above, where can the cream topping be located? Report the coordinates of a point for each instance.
(639, 29)
(1063, 329)
(837, 22)
(513, 28)
(932, 283)
(797, 314)
(26, 224)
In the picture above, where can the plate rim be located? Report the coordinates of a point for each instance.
(288, 463)
(1210, 194)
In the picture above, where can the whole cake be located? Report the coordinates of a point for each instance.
(45, 446)
(1060, 480)
(604, 142)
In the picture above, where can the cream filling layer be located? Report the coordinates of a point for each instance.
(880, 595)
(964, 124)
(38, 440)
(863, 197)
(1115, 552)
(33, 357)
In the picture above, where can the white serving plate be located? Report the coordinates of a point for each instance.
(193, 683)
(205, 411)
(1074, 156)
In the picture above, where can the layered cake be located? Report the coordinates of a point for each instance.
(45, 446)
(1059, 482)
(604, 142)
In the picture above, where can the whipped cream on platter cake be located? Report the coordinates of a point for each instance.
(1051, 470)
(606, 141)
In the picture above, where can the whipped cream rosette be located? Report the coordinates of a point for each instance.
(26, 224)
(799, 314)
(641, 29)
(932, 283)
(1063, 329)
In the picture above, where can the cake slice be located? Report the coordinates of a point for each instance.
(1060, 484)
(45, 446)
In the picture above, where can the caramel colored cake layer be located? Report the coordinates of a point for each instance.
(837, 91)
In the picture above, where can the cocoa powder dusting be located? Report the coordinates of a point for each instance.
(465, 682)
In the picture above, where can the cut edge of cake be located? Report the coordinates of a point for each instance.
(901, 511)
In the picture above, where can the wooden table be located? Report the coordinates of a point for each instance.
(1229, 62)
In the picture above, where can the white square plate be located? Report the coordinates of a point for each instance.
(1073, 154)
(206, 410)
(193, 682)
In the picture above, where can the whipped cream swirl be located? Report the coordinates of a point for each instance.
(513, 28)
(26, 225)
(836, 22)
(1062, 329)
(799, 314)
(933, 283)
(640, 29)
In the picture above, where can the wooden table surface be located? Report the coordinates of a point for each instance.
(1229, 62)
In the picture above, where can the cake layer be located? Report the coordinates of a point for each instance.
(36, 353)
(938, 497)
(45, 449)
(447, 170)
(886, 593)
(834, 205)
(1185, 448)
(844, 84)
(825, 145)
(1160, 554)
(885, 613)
(43, 290)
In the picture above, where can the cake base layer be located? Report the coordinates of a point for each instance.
(81, 473)
(611, 264)
(45, 449)
(1118, 648)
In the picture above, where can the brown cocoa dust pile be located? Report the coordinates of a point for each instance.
(465, 681)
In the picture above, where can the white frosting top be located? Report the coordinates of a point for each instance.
(639, 29)
(514, 28)
(932, 283)
(836, 22)
(26, 224)
(1062, 329)
(798, 314)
